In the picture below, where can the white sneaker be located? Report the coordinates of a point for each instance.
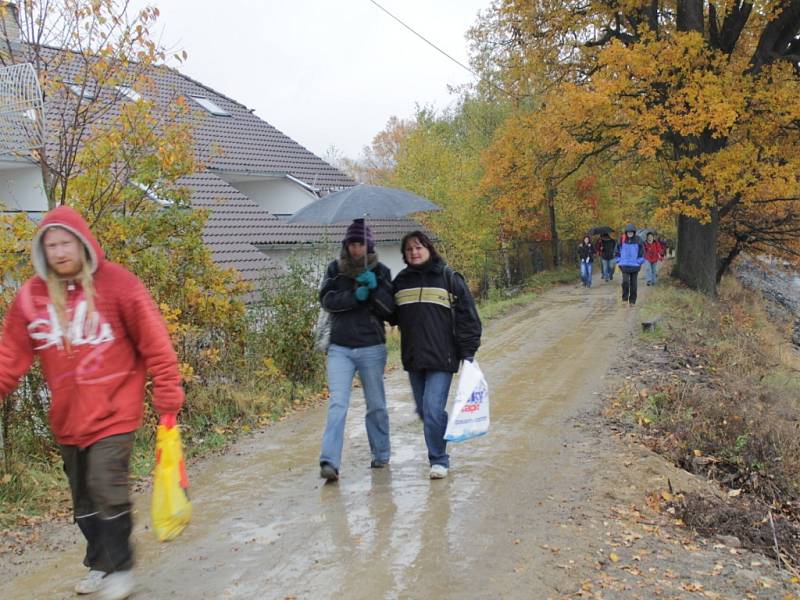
(438, 472)
(117, 585)
(91, 583)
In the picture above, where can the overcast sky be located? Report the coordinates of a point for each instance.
(325, 72)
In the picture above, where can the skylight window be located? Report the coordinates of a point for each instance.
(129, 92)
(211, 106)
(81, 91)
(148, 191)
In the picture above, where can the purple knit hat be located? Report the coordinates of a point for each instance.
(356, 232)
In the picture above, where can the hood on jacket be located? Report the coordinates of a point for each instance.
(69, 219)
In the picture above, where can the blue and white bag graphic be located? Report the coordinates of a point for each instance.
(470, 415)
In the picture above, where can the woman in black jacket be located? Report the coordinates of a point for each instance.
(439, 327)
(357, 292)
(586, 256)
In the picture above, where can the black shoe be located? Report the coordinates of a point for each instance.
(327, 471)
(378, 464)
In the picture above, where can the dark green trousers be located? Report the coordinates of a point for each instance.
(98, 480)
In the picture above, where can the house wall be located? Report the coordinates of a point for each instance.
(388, 254)
(23, 189)
(278, 196)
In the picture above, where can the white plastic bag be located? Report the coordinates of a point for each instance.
(470, 415)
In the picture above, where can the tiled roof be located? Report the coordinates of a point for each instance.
(234, 222)
(237, 224)
(241, 142)
(383, 230)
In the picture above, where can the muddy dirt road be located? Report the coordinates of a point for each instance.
(524, 513)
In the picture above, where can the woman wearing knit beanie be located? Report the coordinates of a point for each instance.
(357, 292)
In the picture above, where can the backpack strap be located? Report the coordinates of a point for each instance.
(451, 297)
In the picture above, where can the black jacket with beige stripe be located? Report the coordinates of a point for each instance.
(437, 329)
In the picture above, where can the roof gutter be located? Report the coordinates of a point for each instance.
(301, 183)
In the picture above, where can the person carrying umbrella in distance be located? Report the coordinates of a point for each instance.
(357, 292)
(97, 332)
(439, 327)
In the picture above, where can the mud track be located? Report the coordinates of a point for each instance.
(533, 510)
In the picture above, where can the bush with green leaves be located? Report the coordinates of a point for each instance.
(284, 319)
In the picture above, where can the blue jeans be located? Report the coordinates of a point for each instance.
(343, 362)
(430, 390)
(650, 271)
(586, 273)
(607, 265)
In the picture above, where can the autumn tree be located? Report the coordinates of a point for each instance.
(440, 159)
(378, 160)
(531, 170)
(700, 96)
(88, 56)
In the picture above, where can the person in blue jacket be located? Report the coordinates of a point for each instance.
(630, 257)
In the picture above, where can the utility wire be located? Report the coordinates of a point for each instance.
(424, 39)
(435, 47)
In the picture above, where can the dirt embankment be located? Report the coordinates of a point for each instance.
(779, 285)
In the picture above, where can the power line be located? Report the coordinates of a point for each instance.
(427, 41)
(435, 47)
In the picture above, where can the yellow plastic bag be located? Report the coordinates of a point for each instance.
(170, 508)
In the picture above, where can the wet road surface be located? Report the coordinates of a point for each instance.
(265, 526)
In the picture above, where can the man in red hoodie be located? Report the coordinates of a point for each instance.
(97, 333)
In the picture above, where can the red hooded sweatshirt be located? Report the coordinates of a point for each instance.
(97, 370)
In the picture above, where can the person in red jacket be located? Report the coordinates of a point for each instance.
(97, 333)
(653, 253)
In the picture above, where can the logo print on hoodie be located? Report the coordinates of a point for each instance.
(80, 331)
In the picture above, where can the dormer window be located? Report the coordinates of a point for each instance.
(129, 92)
(211, 106)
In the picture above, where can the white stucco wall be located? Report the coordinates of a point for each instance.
(278, 196)
(388, 254)
(22, 189)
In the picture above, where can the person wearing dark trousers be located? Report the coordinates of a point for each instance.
(607, 248)
(97, 333)
(357, 292)
(585, 256)
(630, 256)
(439, 328)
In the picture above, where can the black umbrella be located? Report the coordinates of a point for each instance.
(643, 233)
(362, 202)
(600, 230)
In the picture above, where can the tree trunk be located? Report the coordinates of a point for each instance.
(551, 208)
(696, 259)
(726, 261)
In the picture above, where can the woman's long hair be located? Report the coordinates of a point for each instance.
(57, 290)
(423, 239)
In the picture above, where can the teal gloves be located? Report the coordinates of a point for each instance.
(368, 279)
(362, 293)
